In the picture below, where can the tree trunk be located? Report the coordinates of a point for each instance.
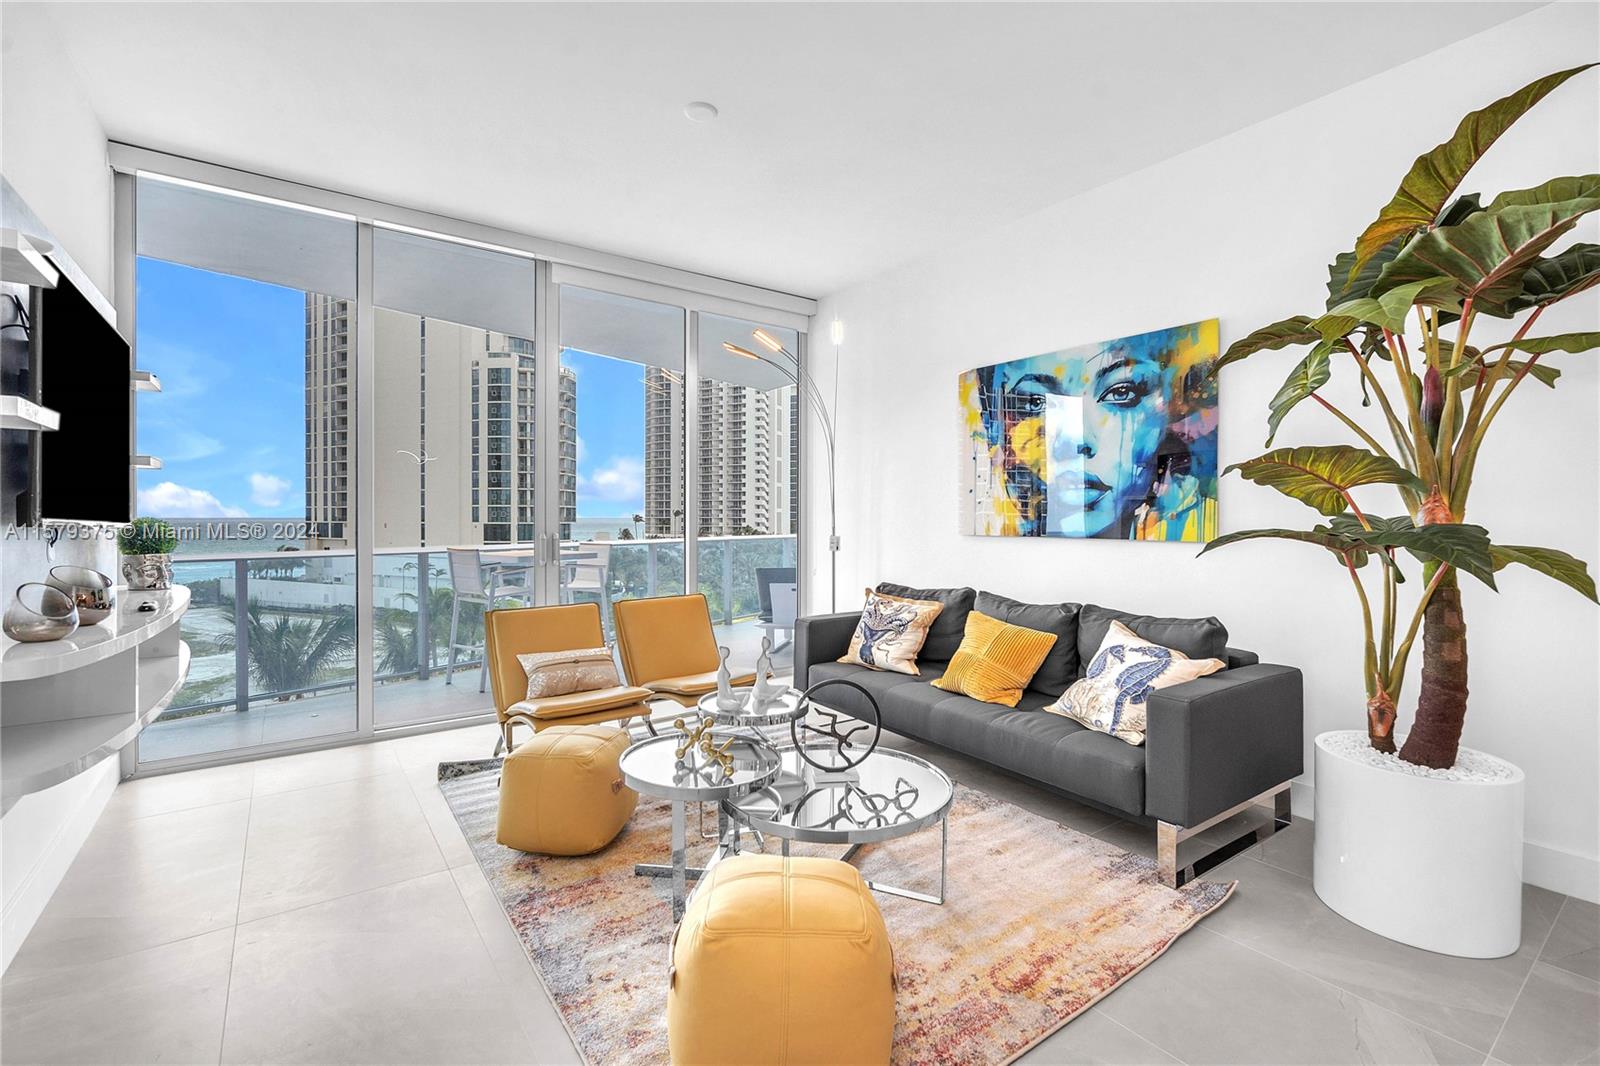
(1380, 722)
(1442, 703)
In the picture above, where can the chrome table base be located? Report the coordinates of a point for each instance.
(1169, 836)
(894, 890)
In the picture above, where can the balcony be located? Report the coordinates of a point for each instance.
(273, 636)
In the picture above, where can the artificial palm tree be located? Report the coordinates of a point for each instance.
(1428, 264)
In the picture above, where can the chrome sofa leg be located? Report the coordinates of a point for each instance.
(1169, 837)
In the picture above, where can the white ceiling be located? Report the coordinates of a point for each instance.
(852, 137)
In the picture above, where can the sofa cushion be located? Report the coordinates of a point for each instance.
(901, 714)
(944, 636)
(1060, 667)
(996, 660)
(1198, 638)
(1045, 747)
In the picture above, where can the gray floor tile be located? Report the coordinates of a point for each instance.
(1211, 1000)
(164, 1004)
(394, 975)
(540, 1020)
(313, 844)
(351, 763)
(1556, 1019)
(165, 793)
(142, 882)
(1279, 914)
(1092, 1037)
(1574, 943)
(441, 822)
(1289, 849)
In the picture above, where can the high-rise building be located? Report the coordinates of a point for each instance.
(454, 432)
(748, 441)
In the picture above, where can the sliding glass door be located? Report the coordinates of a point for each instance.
(372, 435)
(245, 314)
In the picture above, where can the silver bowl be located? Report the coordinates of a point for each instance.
(40, 612)
(92, 591)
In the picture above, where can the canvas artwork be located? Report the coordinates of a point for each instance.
(1116, 440)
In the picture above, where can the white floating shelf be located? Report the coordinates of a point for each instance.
(17, 412)
(146, 462)
(128, 628)
(22, 260)
(145, 381)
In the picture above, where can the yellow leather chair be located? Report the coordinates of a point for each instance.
(568, 627)
(561, 792)
(669, 647)
(781, 961)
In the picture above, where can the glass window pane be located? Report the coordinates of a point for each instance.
(445, 462)
(749, 425)
(622, 448)
(244, 313)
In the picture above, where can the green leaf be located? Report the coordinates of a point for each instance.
(1567, 569)
(1322, 537)
(1319, 476)
(1543, 373)
(1489, 253)
(1305, 379)
(1457, 212)
(1397, 302)
(1561, 275)
(1562, 342)
(1437, 173)
(1465, 547)
(1346, 282)
(1554, 191)
(1283, 334)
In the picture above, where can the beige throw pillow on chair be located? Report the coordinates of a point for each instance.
(559, 673)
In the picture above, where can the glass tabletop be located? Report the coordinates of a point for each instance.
(782, 709)
(890, 794)
(655, 767)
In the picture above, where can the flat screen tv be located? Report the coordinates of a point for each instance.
(85, 374)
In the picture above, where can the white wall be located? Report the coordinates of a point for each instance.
(53, 151)
(52, 147)
(1241, 229)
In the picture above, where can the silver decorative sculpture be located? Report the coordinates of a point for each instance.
(766, 690)
(727, 699)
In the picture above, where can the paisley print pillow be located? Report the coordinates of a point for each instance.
(891, 632)
(558, 673)
(1111, 696)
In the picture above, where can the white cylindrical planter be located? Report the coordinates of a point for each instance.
(1433, 861)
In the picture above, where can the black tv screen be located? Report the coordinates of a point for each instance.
(85, 374)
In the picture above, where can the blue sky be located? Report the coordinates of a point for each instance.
(229, 422)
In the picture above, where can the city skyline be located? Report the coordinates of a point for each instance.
(223, 343)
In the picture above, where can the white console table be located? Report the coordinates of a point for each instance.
(66, 705)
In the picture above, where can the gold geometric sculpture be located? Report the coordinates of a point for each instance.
(700, 737)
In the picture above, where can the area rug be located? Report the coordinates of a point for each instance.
(1039, 922)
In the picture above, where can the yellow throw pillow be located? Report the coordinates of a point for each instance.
(996, 660)
(1111, 696)
(891, 632)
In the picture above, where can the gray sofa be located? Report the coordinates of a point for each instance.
(1214, 746)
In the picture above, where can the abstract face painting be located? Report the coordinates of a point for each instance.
(1116, 440)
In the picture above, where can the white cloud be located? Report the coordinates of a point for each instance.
(620, 479)
(172, 500)
(266, 490)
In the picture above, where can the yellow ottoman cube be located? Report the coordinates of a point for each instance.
(561, 792)
(781, 961)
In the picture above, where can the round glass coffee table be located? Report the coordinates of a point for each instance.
(670, 768)
(889, 794)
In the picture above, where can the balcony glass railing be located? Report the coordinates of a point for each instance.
(273, 635)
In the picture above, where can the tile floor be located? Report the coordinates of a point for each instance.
(325, 908)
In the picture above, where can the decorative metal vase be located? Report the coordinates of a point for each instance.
(40, 612)
(93, 592)
(147, 573)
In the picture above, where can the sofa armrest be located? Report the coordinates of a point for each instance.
(821, 638)
(1217, 741)
(1237, 657)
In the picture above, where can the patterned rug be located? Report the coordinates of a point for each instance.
(1039, 922)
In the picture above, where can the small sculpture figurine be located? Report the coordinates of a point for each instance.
(766, 691)
(727, 699)
(700, 737)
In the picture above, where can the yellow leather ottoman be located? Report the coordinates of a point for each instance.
(561, 792)
(781, 961)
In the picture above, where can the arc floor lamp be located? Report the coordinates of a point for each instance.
(792, 369)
